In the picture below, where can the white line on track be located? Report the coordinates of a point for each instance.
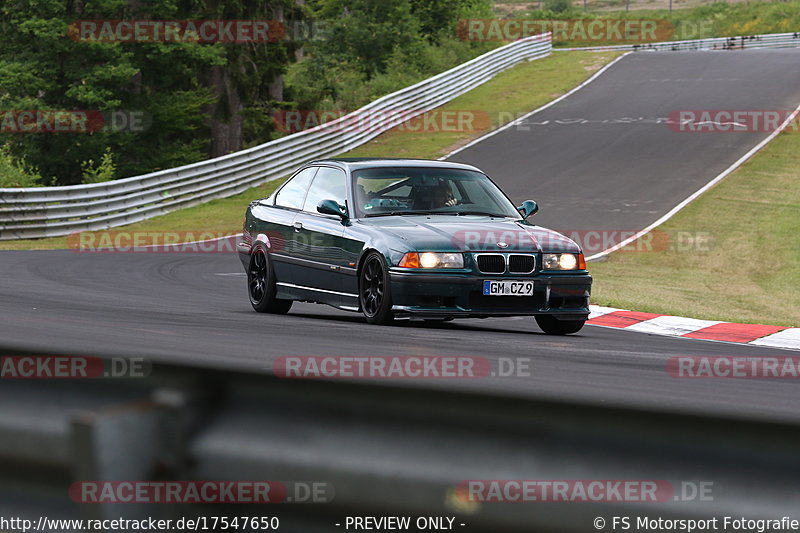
(517, 121)
(700, 191)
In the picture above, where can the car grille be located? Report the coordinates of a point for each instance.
(491, 263)
(521, 264)
(496, 263)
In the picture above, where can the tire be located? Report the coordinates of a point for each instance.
(554, 326)
(374, 293)
(261, 285)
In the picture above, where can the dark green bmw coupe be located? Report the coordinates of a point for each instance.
(392, 238)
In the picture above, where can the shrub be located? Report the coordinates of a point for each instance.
(104, 171)
(15, 173)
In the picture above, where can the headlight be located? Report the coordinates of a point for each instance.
(563, 262)
(432, 260)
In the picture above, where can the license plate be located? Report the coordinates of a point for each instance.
(507, 288)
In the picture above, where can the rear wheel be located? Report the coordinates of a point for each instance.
(261, 285)
(373, 290)
(553, 326)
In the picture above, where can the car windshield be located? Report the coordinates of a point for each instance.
(428, 190)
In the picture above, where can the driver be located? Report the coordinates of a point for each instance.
(442, 196)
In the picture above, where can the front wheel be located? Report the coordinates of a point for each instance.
(261, 285)
(373, 290)
(553, 326)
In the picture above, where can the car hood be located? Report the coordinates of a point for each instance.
(471, 233)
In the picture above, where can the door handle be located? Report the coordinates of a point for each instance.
(298, 226)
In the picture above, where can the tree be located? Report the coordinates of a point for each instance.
(371, 48)
(441, 16)
(192, 95)
(365, 32)
(250, 83)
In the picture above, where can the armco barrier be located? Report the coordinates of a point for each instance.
(772, 40)
(383, 450)
(53, 211)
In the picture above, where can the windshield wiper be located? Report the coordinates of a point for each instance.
(422, 212)
(404, 212)
(480, 213)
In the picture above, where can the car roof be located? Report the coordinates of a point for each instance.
(356, 163)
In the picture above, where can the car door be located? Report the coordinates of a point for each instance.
(320, 255)
(288, 201)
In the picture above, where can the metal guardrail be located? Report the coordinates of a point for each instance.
(54, 211)
(382, 450)
(772, 40)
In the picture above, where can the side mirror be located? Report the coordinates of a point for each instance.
(528, 208)
(331, 207)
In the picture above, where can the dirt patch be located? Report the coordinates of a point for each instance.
(508, 9)
(463, 142)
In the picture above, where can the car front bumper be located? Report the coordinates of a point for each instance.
(564, 296)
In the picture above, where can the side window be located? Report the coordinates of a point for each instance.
(329, 184)
(292, 194)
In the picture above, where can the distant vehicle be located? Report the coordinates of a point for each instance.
(391, 238)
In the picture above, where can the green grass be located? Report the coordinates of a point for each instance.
(749, 270)
(509, 94)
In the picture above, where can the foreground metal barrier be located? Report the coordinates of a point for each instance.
(54, 211)
(378, 450)
(771, 40)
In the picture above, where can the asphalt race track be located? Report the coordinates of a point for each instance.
(604, 157)
(193, 308)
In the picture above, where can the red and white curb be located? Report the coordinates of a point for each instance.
(692, 328)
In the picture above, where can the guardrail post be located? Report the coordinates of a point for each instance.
(132, 442)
